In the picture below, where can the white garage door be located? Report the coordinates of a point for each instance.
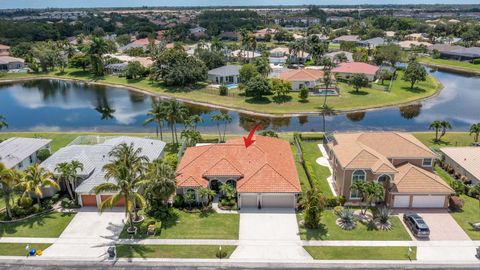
(401, 201)
(428, 201)
(248, 201)
(278, 201)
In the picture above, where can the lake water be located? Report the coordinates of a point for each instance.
(54, 105)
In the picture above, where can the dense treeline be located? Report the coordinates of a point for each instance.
(229, 20)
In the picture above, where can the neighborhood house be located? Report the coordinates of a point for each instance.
(347, 70)
(9, 63)
(464, 160)
(309, 78)
(20, 153)
(225, 75)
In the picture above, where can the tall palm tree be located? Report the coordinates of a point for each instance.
(68, 173)
(175, 112)
(313, 203)
(193, 121)
(96, 50)
(445, 125)
(161, 182)
(63, 169)
(217, 44)
(436, 125)
(327, 80)
(156, 114)
(206, 195)
(34, 179)
(244, 41)
(9, 179)
(226, 119)
(475, 131)
(3, 122)
(126, 170)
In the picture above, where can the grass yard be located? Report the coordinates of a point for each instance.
(451, 64)
(318, 173)
(50, 225)
(470, 213)
(330, 231)
(450, 139)
(171, 251)
(349, 99)
(193, 226)
(18, 249)
(301, 172)
(361, 253)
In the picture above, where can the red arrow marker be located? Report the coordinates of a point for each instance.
(249, 141)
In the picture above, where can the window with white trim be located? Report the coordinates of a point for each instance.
(358, 175)
(427, 162)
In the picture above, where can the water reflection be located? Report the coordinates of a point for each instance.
(355, 116)
(410, 111)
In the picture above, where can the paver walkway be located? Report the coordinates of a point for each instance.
(269, 235)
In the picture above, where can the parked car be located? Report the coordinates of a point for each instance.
(417, 226)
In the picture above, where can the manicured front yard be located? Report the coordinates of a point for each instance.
(361, 253)
(171, 251)
(193, 226)
(318, 173)
(328, 230)
(18, 249)
(50, 225)
(470, 213)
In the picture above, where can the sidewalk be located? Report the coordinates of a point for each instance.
(323, 161)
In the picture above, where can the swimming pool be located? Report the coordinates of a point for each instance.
(232, 86)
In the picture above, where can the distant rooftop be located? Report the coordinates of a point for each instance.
(16, 149)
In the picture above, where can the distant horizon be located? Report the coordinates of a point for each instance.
(29, 4)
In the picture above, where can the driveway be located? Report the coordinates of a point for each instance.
(88, 235)
(269, 235)
(442, 225)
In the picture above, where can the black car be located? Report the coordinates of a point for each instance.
(416, 224)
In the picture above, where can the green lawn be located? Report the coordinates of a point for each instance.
(318, 173)
(450, 139)
(451, 64)
(360, 253)
(18, 249)
(349, 99)
(171, 251)
(50, 225)
(193, 226)
(470, 213)
(330, 231)
(301, 172)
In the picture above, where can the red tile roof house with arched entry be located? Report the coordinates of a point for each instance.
(397, 160)
(264, 174)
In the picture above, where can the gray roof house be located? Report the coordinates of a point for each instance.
(19, 153)
(332, 55)
(462, 54)
(228, 74)
(94, 157)
(372, 43)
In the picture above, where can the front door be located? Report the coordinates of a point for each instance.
(215, 185)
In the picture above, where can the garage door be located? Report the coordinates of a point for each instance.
(278, 201)
(89, 200)
(249, 201)
(401, 201)
(120, 203)
(428, 201)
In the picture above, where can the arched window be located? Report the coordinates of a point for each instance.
(383, 178)
(358, 175)
(232, 182)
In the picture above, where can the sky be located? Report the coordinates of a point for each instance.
(9, 4)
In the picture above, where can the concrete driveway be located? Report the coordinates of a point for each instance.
(88, 235)
(442, 225)
(269, 235)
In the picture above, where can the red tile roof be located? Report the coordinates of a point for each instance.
(356, 67)
(266, 166)
(301, 75)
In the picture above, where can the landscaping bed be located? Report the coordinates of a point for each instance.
(361, 253)
(49, 225)
(172, 251)
(328, 230)
(18, 249)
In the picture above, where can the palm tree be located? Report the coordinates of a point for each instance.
(217, 44)
(475, 130)
(127, 170)
(3, 122)
(34, 179)
(435, 125)
(161, 182)
(193, 136)
(193, 121)
(64, 173)
(374, 192)
(9, 179)
(226, 119)
(228, 191)
(206, 195)
(361, 187)
(244, 41)
(327, 80)
(445, 125)
(156, 114)
(175, 112)
(313, 203)
(96, 50)
(68, 173)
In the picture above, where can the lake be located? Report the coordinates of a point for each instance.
(56, 105)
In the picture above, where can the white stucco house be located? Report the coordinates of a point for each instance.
(19, 153)
(228, 74)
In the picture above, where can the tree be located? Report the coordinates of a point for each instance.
(358, 81)
(247, 72)
(373, 192)
(161, 182)
(327, 81)
(303, 94)
(95, 52)
(175, 67)
(280, 88)
(175, 112)
(157, 114)
(206, 195)
(384, 74)
(228, 191)
(391, 53)
(475, 131)
(127, 169)
(414, 73)
(9, 180)
(445, 125)
(313, 203)
(193, 136)
(226, 119)
(79, 60)
(263, 66)
(34, 179)
(340, 58)
(124, 39)
(436, 125)
(3, 122)
(258, 87)
(223, 90)
(134, 70)
(193, 121)
(212, 59)
(360, 55)
(68, 173)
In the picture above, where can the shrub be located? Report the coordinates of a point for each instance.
(303, 94)
(455, 203)
(221, 253)
(476, 61)
(43, 154)
(384, 215)
(172, 160)
(459, 187)
(337, 210)
(178, 201)
(69, 204)
(335, 201)
(24, 202)
(474, 191)
(223, 90)
(457, 175)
